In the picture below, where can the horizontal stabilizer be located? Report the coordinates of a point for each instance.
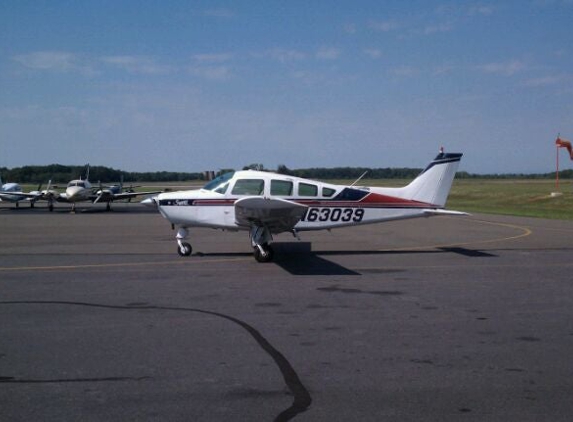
(432, 212)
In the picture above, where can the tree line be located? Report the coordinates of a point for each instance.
(58, 173)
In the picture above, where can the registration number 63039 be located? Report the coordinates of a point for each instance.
(346, 215)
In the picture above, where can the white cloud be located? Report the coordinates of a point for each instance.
(383, 26)
(455, 10)
(509, 68)
(328, 53)
(433, 29)
(482, 10)
(404, 71)
(443, 70)
(55, 61)
(219, 13)
(285, 56)
(552, 3)
(213, 57)
(137, 64)
(544, 81)
(211, 72)
(350, 28)
(373, 53)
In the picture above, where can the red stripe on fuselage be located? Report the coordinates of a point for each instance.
(372, 200)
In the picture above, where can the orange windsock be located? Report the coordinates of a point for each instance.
(564, 143)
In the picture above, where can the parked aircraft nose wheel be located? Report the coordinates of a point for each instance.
(184, 249)
(264, 253)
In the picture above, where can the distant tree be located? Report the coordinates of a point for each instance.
(282, 169)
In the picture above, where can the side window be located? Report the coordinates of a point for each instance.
(305, 189)
(327, 192)
(281, 188)
(248, 187)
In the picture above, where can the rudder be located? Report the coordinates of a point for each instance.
(433, 185)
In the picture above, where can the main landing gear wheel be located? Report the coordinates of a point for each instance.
(184, 249)
(264, 253)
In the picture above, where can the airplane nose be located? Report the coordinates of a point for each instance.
(71, 192)
(150, 202)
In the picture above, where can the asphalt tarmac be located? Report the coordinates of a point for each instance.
(440, 319)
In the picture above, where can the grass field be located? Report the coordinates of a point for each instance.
(531, 198)
(522, 197)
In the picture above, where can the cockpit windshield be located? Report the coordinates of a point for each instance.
(219, 182)
(75, 183)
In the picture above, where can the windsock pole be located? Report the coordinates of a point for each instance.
(557, 168)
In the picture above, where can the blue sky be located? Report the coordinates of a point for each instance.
(197, 85)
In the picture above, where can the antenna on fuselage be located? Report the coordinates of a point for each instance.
(358, 180)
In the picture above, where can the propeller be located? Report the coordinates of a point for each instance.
(99, 193)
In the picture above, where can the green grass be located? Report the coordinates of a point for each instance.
(528, 198)
(521, 197)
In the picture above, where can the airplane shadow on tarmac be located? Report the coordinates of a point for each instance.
(314, 263)
(297, 258)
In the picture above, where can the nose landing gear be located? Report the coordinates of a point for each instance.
(183, 248)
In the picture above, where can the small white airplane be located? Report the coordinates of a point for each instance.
(12, 192)
(265, 204)
(81, 190)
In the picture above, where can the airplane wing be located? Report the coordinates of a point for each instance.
(277, 214)
(22, 194)
(124, 195)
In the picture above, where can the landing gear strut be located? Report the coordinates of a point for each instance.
(260, 238)
(183, 248)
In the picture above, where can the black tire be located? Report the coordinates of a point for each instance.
(267, 257)
(184, 250)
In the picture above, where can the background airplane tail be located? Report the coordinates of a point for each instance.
(433, 185)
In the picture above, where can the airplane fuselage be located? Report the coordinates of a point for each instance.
(327, 205)
(11, 192)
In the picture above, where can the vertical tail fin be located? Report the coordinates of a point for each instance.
(433, 185)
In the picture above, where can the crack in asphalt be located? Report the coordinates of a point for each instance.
(302, 398)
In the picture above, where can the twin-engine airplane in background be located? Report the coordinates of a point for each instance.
(265, 204)
(81, 190)
(78, 190)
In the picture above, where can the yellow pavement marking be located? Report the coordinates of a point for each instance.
(524, 233)
(119, 264)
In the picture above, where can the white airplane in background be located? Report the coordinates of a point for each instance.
(267, 203)
(12, 192)
(81, 190)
